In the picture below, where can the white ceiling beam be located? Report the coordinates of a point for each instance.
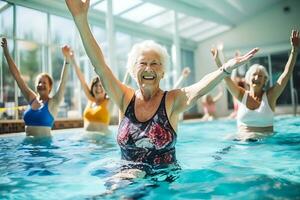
(58, 7)
(153, 16)
(95, 3)
(225, 9)
(206, 14)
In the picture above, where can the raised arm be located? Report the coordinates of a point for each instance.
(58, 96)
(26, 91)
(80, 76)
(219, 95)
(114, 88)
(232, 87)
(275, 91)
(188, 96)
(184, 74)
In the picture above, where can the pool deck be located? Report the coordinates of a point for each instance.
(15, 126)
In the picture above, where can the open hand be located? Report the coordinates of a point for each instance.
(4, 43)
(67, 52)
(214, 52)
(295, 38)
(78, 7)
(239, 60)
(186, 71)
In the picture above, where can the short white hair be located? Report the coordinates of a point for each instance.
(138, 48)
(253, 69)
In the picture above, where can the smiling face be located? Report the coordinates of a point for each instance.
(257, 79)
(96, 88)
(43, 85)
(148, 69)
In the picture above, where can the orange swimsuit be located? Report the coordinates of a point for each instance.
(98, 113)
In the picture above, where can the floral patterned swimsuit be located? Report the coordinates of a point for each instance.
(149, 143)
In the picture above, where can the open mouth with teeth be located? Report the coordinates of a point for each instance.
(148, 76)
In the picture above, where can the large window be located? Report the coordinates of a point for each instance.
(30, 61)
(38, 39)
(62, 31)
(6, 19)
(31, 25)
(7, 100)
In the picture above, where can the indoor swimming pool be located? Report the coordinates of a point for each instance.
(76, 165)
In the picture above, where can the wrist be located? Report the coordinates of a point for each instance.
(294, 50)
(80, 18)
(224, 71)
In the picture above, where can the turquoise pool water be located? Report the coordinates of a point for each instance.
(74, 166)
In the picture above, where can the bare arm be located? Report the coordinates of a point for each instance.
(275, 91)
(184, 74)
(80, 76)
(57, 98)
(232, 87)
(188, 96)
(219, 95)
(115, 89)
(26, 91)
(126, 77)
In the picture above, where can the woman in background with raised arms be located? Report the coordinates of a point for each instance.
(39, 117)
(96, 115)
(256, 106)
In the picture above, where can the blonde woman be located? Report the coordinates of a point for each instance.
(40, 115)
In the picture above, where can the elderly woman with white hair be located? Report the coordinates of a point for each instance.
(256, 106)
(148, 116)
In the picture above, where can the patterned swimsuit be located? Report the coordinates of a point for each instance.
(149, 143)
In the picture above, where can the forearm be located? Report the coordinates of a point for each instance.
(81, 79)
(126, 77)
(17, 76)
(218, 61)
(11, 64)
(218, 96)
(90, 44)
(111, 84)
(289, 67)
(63, 81)
(178, 82)
(229, 83)
(206, 84)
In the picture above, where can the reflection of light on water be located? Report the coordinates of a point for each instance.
(28, 46)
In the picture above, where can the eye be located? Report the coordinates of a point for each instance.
(142, 63)
(154, 64)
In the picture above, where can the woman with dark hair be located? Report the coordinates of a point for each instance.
(96, 114)
(39, 117)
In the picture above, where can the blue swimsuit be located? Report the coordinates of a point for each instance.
(39, 117)
(151, 142)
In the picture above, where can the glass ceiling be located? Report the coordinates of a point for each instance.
(158, 17)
